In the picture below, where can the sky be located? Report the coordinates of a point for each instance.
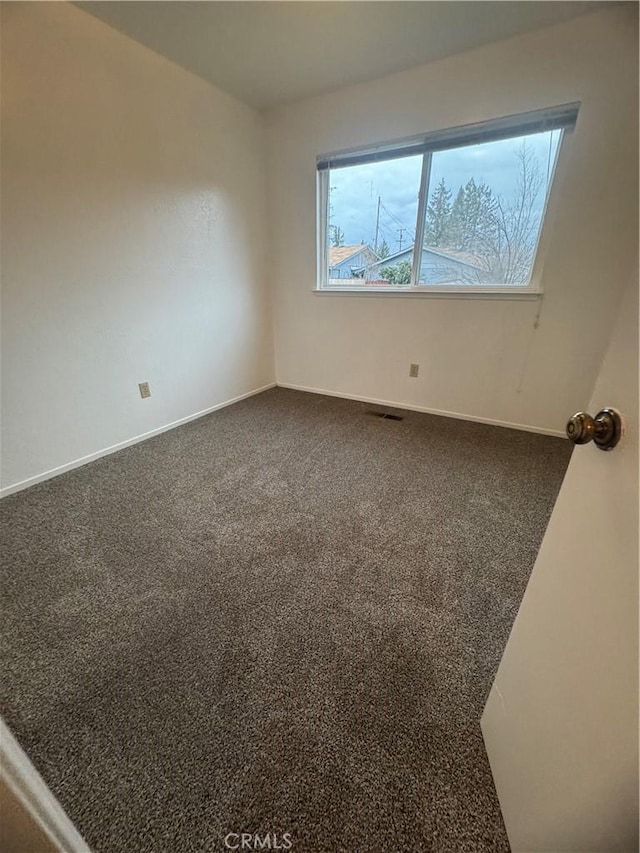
(354, 190)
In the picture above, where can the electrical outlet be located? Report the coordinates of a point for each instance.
(413, 370)
(145, 391)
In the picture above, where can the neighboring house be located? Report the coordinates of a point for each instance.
(350, 261)
(437, 267)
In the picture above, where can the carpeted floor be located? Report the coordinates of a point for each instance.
(283, 617)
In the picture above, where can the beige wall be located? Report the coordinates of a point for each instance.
(133, 225)
(483, 359)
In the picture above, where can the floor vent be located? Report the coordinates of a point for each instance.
(386, 415)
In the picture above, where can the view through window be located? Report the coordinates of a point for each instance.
(477, 227)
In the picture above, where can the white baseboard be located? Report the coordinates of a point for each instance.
(458, 415)
(84, 460)
(30, 790)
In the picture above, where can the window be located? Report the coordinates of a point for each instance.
(457, 210)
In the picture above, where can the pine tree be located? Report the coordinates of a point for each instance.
(457, 221)
(473, 217)
(438, 216)
(479, 216)
(337, 236)
(383, 250)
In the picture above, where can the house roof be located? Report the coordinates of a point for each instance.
(449, 254)
(466, 258)
(338, 254)
(396, 255)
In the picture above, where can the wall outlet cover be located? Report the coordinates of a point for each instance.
(414, 370)
(145, 391)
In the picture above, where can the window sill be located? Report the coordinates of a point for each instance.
(491, 293)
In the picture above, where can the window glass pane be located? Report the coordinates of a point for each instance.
(372, 221)
(485, 208)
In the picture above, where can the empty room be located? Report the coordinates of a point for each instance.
(319, 474)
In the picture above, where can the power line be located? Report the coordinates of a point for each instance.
(392, 215)
(402, 228)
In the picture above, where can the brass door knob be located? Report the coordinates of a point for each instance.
(605, 430)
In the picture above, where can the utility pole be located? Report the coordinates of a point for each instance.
(375, 242)
(401, 231)
(331, 189)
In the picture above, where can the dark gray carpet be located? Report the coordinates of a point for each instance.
(282, 617)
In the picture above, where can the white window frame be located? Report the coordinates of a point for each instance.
(561, 118)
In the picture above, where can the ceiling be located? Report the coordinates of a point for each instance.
(270, 53)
